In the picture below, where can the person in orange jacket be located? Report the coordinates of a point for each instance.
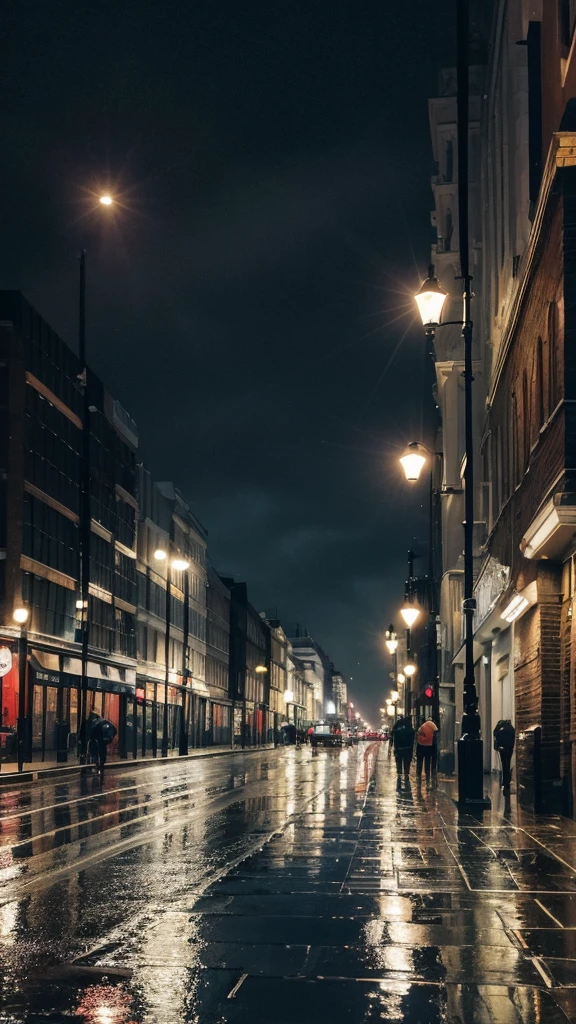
(425, 740)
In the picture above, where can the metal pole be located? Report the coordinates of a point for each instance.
(21, 729)
(470, 757)
(85, 516)
(183, 750)
(167, 662)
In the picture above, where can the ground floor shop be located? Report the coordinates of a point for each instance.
(44, 689)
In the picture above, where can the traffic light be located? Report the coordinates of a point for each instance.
(429, 693)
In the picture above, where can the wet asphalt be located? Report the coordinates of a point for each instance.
(280, 887)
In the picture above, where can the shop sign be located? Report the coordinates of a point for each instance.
(5, 661)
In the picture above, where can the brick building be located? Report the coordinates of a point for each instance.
(527, 320)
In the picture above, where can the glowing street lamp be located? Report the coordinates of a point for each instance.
(394, 696)
(430, 299)
(391, 640)
(20, 615)
(410, 614)
(413, 461)
(288, 696)
(409, 669)
(400, 678)
(180, 564)
(106, 200)
(260, 669)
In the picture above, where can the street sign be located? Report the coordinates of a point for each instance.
(5, 661)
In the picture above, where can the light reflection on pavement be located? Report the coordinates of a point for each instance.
(270, 887)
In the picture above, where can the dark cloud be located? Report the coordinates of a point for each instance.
(251, 307)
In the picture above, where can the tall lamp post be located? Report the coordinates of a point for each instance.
(391, 642)
(180, 565)
(430, 300)
(82, 605)
(20, 617)
(413, 461)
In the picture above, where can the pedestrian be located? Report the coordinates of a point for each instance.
(403, 738)
(425, 740)
(504, 737)
(309, 733)
(291, 734)
(102, 733)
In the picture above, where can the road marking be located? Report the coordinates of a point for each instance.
(234, 991)
(546, 911)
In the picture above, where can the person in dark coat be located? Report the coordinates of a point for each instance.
(504, 738)
(403, 741)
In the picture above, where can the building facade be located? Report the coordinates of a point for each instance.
(41, 444)
(249, 669)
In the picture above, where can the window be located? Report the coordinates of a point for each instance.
(567, 19)
(552, 357)
(540, 404)
(526, 423)
(449, 175)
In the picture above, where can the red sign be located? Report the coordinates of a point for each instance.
(140, 693)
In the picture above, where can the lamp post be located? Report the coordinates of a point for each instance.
(181, 565)
(430, 300)
(20, 616)
(106, 201)
(391, 642)
(413, 461)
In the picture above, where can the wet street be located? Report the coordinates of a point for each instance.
(280, 886)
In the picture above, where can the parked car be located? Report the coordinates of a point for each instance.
(326, 735)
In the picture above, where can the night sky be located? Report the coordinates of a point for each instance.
(249, 303)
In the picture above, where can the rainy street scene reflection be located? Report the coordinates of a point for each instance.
(272, 886)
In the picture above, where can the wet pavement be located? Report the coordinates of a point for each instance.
(280, 887)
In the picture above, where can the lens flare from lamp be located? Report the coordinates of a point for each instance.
(413, 461)
(430, 299)
(409, 613)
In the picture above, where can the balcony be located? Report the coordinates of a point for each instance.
(552, 529)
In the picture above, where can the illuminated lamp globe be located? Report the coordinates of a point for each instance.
(413, 461)
(160, 555)
(409, 669)
(106, 200)
(394, 695)
(409, 613)
(180, 564)
(20, 615)
(288, 696)
(260, 669)
(401, 678)
(391, 711)
(430, 299)
(392, 645)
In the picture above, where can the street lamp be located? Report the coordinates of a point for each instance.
(430, 300)
(20, 616)
(410, 614)
(85, 505)
(409, 669)
(179, 565)
(413, 461)
(391, 640)
(288, 697)
(394, 695)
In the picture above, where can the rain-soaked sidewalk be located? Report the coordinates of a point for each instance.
(282, 890)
